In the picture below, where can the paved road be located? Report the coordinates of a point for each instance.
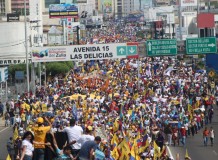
(5, 133)
(195, 145)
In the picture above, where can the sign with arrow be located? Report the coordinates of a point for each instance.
(131, 50)
(201, 45)
(163, 47)
(121, 50)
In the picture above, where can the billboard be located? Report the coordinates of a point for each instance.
(13, 17)
(105, 6)
(185, 3)
(77, 52)
(86, 10)
(63, 11)
(205, 20)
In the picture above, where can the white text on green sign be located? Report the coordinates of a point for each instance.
(201, 45)
(161, 47)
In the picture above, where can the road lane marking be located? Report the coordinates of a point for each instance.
(4, 129)
(215, 152)
(171, 156)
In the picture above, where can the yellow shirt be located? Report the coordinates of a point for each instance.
(39, 135)
(23, 117)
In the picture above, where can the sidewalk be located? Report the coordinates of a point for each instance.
(2, 123)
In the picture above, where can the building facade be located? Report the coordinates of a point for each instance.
(18, 6)
(5, 7)
(122, 8)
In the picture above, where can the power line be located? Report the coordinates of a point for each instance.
(12, 45)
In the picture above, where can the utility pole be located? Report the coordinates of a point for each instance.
(77, 34)
(180, 20)
(26, 49)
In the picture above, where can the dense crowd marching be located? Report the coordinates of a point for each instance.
(105, 110)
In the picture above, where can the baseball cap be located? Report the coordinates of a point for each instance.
(90, 128)
(40, 120)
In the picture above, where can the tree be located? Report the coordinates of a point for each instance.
(55, 68)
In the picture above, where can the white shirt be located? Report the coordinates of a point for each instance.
(29, 147)
(84, 138)
(74, 133)
(17, 120)
(212, 133)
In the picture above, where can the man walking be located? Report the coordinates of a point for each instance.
(205, 136)
(1, 109)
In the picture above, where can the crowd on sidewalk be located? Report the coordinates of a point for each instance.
(106, 110)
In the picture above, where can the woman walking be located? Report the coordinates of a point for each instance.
(27, 146)
(211, 135)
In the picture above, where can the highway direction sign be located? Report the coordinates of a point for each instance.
(121, 50)
(161, 47)
(131, 50)
(201, 45)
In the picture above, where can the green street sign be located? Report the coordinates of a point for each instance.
(163, 47)
(121, 50)
(201, 45)
(132, 50)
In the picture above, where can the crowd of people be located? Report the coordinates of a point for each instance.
(105, 110)
(115, 33)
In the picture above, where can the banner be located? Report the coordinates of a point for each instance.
(105, 6)
(63, 11)
(185, 3)
(79, 52)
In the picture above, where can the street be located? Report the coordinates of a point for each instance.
(195, 146)
(5, 133)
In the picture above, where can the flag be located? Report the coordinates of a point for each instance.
(124, 146)
(115, 153)
(190, 111)
(114, 140)
(134, 152)
(186, 154)
(156, 151)
(121, 112)
(144, 140)
(142, 148)
(115, 126)
(124, 155)
(135, 96)
(163, 152)
(8, 157)
(15, 136)
(74, 111)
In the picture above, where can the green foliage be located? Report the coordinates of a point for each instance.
(52, 67)
(140, 34)
(201, 56)
(200, 65)
(58, 67)
(16, 67)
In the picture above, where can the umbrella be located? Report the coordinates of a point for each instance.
(115, 95)
(75, 96)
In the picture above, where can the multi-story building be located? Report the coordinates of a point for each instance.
(122, 8)
(5, 7)
(18, 6)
